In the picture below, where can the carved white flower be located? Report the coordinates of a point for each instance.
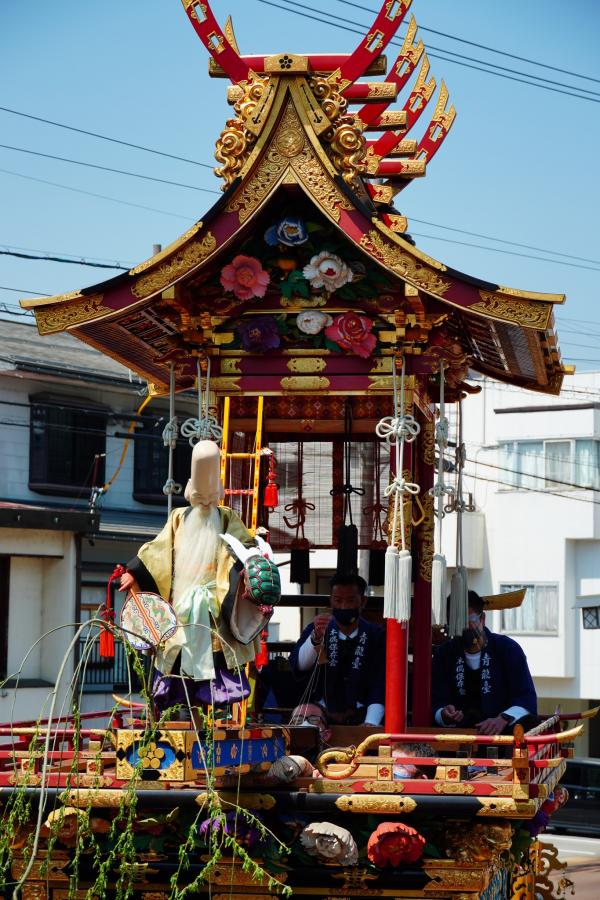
(330, 843)
(312, 321)
(326, 270)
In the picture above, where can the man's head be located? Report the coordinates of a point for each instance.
(474, 637)
(346, 599)
(312, 714)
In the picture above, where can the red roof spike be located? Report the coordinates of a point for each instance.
(409, 56)
(209, 31)
(438, 128)
(384, 28)
(420, 95)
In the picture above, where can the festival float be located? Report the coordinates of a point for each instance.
(301, 313)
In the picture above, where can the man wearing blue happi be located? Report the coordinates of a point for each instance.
(481, 680)
(342, 655)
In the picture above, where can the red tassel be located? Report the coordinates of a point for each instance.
(107, 640)
(271, 499)
(262, 657)
(271, 495)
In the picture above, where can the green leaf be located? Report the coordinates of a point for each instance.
(331, 345)
(347, 292)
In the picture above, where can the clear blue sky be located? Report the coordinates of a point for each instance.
(520, 163)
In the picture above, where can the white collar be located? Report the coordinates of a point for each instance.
(473, 660)
(347, 637)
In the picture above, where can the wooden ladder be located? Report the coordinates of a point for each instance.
(254, 458)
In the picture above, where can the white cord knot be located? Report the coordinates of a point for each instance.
(399, 486)
(205, 428)
(392, 428)
(441, 489)
(170, 432)
(171, 487)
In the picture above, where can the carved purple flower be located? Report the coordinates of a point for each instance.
(259, 333)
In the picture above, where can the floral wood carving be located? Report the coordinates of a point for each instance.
(179, 264)
(527, 313)
(57, 318)
(404, 263)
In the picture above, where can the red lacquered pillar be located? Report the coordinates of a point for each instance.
(396, 674)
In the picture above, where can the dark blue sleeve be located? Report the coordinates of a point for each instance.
(294, 653)
(520, 686)
(442, 680)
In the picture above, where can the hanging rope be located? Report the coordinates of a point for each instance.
(169, 435)
(399, 430)
(300, 547)
(347, 560)
(204, 427)
(459, 590)
(438, 492)
(378, 512)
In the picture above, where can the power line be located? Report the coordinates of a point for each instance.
(489, 237)
(10, 311)
(557, 262)
(77, 256)
(103, 137)
(478, 68)
(544, 478)
(454, 37)
(482, 62)
(67, 187)
(560, 496)
(78, 162)
(61, 259)
(23, 291)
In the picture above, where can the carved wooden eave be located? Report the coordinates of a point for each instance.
(292, 135)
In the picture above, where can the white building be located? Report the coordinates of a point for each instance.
(533, 467)
(65, 413)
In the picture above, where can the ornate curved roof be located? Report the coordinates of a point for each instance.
(293, 148)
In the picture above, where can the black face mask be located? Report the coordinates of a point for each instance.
(346, 616)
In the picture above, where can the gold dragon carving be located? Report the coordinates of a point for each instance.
(56, 318)
(481, 842)
(404, 263)
(425, 537)
(236, 139)
(527, 313)
(182, 261)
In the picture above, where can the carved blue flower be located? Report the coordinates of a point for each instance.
(290, 232)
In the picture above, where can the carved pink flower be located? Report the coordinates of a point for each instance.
(353, 332)
(245, 277)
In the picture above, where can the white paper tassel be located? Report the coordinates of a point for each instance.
(390, 584)
(404, 586)
(398, 584)
(438, 589)
(459, 602)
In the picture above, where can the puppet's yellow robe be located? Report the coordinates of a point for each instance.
(157, 558)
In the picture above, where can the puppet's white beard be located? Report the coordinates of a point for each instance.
(196, 548)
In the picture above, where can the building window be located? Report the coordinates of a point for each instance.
(591, 617)
(538, 614)
(151, 464)
(550, 465)
(66, 448)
